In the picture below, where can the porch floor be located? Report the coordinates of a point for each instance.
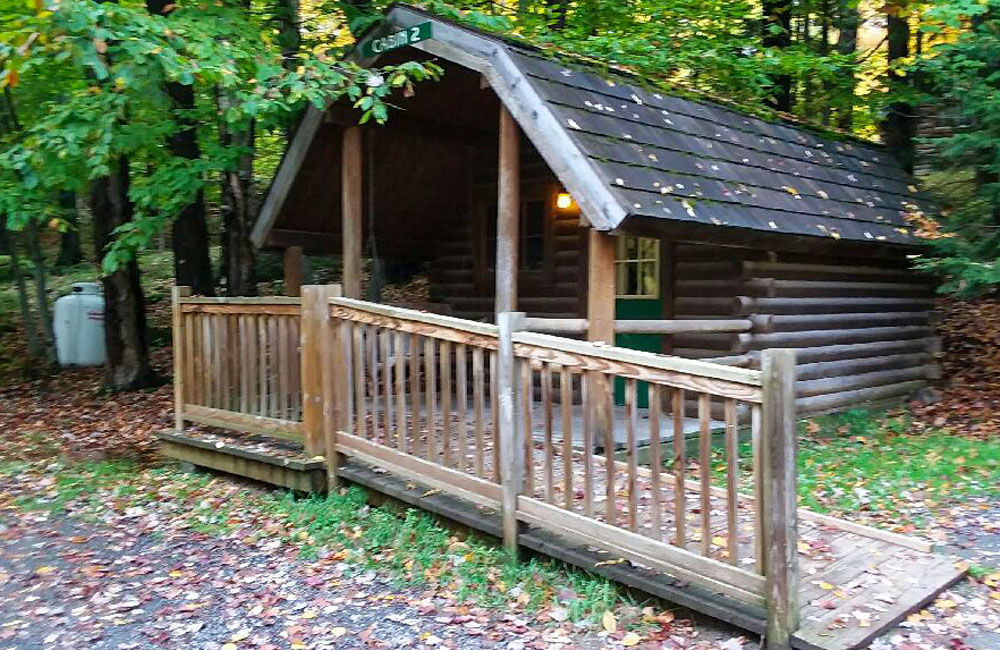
(856, 582)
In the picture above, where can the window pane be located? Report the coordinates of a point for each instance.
(631, 279)
(649, 280)
(533, 228)
(647, 248)
(631, 248)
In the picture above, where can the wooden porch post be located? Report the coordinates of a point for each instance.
(779, 506)
(511, 435)
(351, 209)
(508, 213)
(292, 264)
(601, 324)
(315, 365)
(180, 355)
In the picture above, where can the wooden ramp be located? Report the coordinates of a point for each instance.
(856, 582)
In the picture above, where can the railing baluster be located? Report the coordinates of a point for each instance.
(588, 444)
(462, 384)
(758, 489)
(383, 338)
(680, 468)
(477, 396)
(244, 353)
(655, 460)
(527, 403)
(631, 424)
(606, 394)
(280, 347)
(400, 358)
(566, 395)
(191, 336)
(274, 366)
(446, 443)
(262, 362)
(732, 478)
(295, 364)
(495, 416)
(704, 470)
(414, 353)
(373, 377)
(547, 434)
(358, 357)
(430, 377)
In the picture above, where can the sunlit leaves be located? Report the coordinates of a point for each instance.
(114, 60)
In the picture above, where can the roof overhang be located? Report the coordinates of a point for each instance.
(488, 56)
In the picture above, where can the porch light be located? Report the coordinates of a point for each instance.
(563, 200)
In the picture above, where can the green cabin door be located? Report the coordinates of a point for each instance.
(637, 296)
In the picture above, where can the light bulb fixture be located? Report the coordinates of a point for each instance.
(563, 200)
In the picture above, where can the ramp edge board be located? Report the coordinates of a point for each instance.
(295, 473)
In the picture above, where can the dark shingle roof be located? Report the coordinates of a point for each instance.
(671, 157)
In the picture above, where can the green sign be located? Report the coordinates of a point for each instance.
(402, 38)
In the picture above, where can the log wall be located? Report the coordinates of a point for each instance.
(863, 329)
(461, 278)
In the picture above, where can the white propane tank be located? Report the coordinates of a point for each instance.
(79, 326)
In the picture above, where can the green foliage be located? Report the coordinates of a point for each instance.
(712, 46)
(114, 60)
(959, 80)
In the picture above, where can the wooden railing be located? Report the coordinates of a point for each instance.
(521, 422)
(527, 423)
(237, 363)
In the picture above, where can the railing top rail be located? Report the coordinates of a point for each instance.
(417, 316)
(239, 300)
(719, 379)
(649, 360)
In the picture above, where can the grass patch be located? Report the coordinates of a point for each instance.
(84, 481)
(864, 461)
(861, 460)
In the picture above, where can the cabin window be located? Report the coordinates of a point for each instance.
(531, 251)
(637, 267)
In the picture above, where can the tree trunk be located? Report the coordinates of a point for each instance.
(128, 365)
(41, 297)
(70, 250)
(238, 209)
(192, 265)
(899, 127)
(848, 20)
(9, 242)
(777, 34)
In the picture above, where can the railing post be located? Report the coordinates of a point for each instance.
(511, 435)
(180, 368)
(779, 506)
(340, 382)
(314, 363)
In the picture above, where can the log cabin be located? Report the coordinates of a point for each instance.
(604, 206)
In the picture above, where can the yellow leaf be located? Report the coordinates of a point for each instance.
(309, 613)
(609, 562)
(609, 622)
(631, 639)
(228, 646)
(45, 570)
(825, 585)
(719, 541)
(338, 632)
(946, 603)
(176, 574)
(240, 635)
